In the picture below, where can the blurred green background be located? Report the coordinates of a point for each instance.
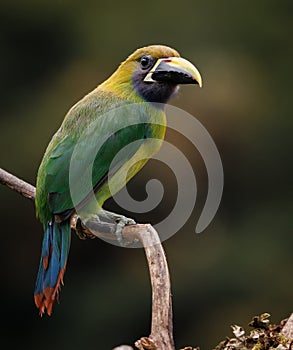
(53, 53)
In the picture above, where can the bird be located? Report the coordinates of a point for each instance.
(146, 80)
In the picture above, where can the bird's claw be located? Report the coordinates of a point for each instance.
(121, 219)
(121, 222)
(104, 217)
(81, 230)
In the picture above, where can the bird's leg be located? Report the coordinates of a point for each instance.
(81, 229)
(120, 221)
(108, 216)
(105, 222)
(84, 226)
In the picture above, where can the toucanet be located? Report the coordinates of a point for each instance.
(124, 115)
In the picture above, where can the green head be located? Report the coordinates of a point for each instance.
(152, 73)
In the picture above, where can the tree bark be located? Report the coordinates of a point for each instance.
(161, 337)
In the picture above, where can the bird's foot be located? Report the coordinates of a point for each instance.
(82, 231)
(120, 221)
(102, 224)
(108, 216)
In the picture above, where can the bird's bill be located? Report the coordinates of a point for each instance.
(175, 70)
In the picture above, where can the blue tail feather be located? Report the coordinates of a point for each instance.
(55, 249)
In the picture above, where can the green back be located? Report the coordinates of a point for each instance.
(79, 156)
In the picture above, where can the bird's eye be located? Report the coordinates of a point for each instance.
(146, 61)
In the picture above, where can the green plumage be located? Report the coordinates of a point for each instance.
(95, 117)
(104, 140)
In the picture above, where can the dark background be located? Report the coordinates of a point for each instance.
(54, 52)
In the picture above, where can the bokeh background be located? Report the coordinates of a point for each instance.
(54, 52)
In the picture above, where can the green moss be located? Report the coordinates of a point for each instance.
(262, 336)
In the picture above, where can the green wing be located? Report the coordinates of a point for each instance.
(79, 160)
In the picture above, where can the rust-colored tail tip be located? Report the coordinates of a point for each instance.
(44, 301)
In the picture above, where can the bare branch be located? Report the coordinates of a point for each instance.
(161, 336)
(20, 186)
(162, 325)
